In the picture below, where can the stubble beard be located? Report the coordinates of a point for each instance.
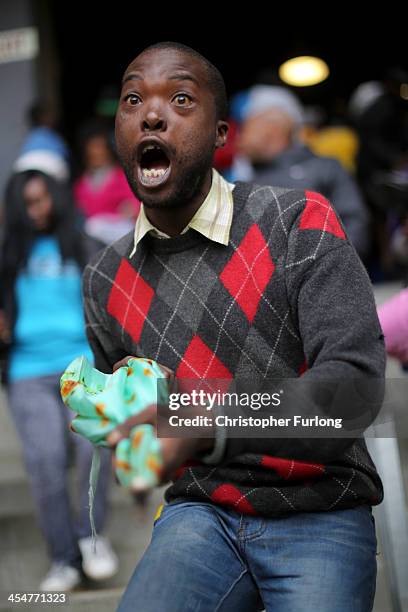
(188, 184)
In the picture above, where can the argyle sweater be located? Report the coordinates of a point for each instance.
(287, 297)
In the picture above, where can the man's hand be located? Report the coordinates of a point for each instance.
(175, 451)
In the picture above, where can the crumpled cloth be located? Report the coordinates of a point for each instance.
(104, 401)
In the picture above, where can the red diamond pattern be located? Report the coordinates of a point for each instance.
(228, 495)
(196, 361)
(292, 470)
(130, 299)
(247, 285)
(320, 215)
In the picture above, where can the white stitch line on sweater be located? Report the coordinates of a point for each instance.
(284, 497)
(212, 471)
(265, 188)
(280, 211)
(292, 465)
(199, 259)
(275, 345)
(234, 299)
(323, 231)
(221, 328)
(128, 304)
(208, 311)
(318, 467)
(147, 320)
(346, 488)
(261, 294)
(343, 485)
(363, 465)
(245, 495)
(197, 483)
(322, 234)
(253, 193)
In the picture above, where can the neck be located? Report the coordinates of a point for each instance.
(172, 221)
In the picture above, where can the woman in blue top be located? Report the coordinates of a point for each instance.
(42, 326)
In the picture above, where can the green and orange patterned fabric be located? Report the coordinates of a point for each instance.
(104, 401)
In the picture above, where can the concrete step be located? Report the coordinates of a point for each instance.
(24, 561)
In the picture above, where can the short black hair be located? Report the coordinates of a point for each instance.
(215, 79)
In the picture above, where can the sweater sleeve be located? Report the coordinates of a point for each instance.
(332, 305)
(100, 340)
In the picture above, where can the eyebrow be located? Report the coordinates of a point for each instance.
(184, 76)
(178, 76)
(130, 77)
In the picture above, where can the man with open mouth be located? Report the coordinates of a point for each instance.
(223, 281)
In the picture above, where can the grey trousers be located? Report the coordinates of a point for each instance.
(42, 420)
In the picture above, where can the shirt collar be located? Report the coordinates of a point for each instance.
(213, 219)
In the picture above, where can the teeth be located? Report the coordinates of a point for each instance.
(153, 172)
(150, 147)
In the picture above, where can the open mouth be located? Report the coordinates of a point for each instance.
(154, 164)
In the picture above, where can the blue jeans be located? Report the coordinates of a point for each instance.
(204, 558)
(42, 420)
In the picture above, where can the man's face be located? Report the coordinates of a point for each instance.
(166, 127)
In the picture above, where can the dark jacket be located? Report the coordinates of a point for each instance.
(299, 168)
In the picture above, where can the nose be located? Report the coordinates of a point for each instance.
(154, 121)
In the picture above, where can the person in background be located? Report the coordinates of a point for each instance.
(272, 154)
(44, 148)
(331, 136)
(102, 192)
(379, 111)
(42, 330)
(393, 315)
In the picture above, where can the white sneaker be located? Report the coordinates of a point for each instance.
(101, 564)
(61, 577)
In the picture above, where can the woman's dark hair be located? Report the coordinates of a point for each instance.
(19, 231)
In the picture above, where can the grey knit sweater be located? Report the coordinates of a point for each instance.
(287, 297)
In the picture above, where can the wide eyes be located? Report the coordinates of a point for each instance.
(133, 99)
(180, 99)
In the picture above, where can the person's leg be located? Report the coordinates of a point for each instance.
(38, 416)
(191, 564)
(322, 561)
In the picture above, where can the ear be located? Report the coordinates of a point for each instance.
(221, 134)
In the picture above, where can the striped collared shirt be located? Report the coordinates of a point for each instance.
(213, 219)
